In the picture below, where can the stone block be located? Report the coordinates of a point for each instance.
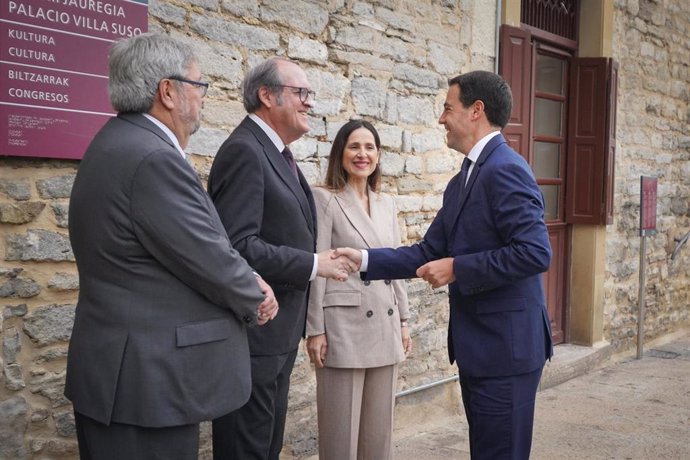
(38, 245)
(392, 164)
(415, 110)
(50, 324)
(64, 282)
(20, 212)
(206, 142)
(19, 189)
(368, 96)
(167, 13)
(331, 89)
(51, 354)
(307, 50)
(235, 33)
(56, 187)
(390, 136)
(61, 211)
(241, 8)
(445, 59)
(211, 5)
(304, 148)
(418, 77)
(11, 345)
(395, 19)
(413, 165)
(15, 311)
(13, 423)
(307, 17)
(14, 380)
(18, 287)
(50, 385)
(427, 141)
(64, 424)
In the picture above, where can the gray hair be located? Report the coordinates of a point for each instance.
(264, 74)
(139, 63)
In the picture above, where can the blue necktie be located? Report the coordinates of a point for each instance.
(464, 169)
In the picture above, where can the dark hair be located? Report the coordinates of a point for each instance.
(336, 176)
(489, 88)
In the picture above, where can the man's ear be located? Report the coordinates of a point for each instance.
(477, 109)
(266, 96)
(165, 92)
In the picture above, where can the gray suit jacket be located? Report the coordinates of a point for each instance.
(270, 219)
(164, 299)
(361, 319)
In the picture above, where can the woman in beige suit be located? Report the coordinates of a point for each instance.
(357, 331)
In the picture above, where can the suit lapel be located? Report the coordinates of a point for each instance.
(476, 171)
(299, 187)
(354, 212)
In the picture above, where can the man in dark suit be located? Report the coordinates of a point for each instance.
(164, 299)
(268, 211)
(489, 243)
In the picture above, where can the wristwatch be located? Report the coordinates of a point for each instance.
(403, 323)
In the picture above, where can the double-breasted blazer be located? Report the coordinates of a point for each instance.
(163, 297)
(361, 319)
(270, 218)
(495, 231)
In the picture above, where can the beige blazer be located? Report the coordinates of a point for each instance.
(361, 319)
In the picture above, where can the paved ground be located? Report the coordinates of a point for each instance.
(630, 409)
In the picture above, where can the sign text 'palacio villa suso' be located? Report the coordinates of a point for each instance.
(54, 71)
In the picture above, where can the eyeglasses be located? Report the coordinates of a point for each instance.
(304, 93)
(199, 84)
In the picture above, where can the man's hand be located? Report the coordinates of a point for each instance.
(268, 309)
(334, 266)
(437, 272)
(317, 347)
(355, 255)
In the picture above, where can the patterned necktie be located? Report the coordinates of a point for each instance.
(287, 154)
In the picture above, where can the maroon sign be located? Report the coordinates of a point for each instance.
(54, 71)
(647, 205)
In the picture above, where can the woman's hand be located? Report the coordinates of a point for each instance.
(406, 339)
(317, 347)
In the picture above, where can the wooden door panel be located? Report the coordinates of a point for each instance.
(554, 280)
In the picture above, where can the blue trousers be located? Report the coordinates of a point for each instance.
(500, 413)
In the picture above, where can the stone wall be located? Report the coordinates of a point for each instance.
(386, 60)
(652, 46)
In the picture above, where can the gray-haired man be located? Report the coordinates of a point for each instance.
(164, 299)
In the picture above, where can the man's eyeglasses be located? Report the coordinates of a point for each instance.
(199, 84)
(304, 93)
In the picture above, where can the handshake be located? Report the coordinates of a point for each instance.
(339, 263)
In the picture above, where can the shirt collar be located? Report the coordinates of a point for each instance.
(167, 131)
(479, 146)
(280, 145)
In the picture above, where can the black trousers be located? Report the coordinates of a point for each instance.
(255, 430)
(119, 441)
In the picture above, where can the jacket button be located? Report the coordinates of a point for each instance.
(370, 314)
(390, 312)
(367, 282)
(387, 281)
(247, 319)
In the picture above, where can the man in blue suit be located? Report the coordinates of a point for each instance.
(490, 245)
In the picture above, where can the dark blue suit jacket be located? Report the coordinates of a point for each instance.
(495, 230)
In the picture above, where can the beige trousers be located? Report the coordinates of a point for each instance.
(355, 412)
